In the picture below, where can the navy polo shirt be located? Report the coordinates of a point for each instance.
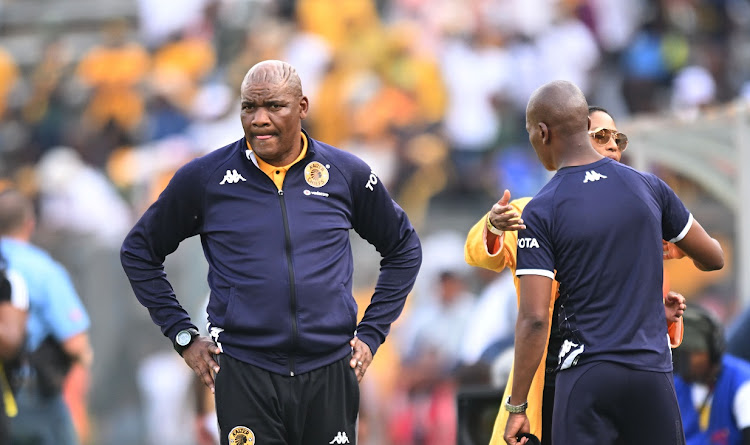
(600, 227)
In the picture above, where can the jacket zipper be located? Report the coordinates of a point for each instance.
(292, 287)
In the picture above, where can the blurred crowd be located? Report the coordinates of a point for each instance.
(431, 93)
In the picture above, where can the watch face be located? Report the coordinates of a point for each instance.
(183, 338)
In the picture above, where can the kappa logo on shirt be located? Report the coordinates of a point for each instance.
(232, 177)
(591, 176)
(340, 438)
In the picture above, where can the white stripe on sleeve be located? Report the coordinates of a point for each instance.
(684, 231)
(542, 272)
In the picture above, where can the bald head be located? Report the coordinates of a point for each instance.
(16, 212)
(274, 72)
(561, 105)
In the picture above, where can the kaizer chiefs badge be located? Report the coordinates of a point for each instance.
(316, 174)
(241, 435)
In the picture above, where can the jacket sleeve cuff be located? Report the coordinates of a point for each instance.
(369, 340)
(493, 242)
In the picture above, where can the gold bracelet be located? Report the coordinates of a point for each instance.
(492, 228)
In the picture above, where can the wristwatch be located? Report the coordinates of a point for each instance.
(184, 338)
(515, 409)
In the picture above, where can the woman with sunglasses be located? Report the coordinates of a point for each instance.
(604, 135)
(491, 244)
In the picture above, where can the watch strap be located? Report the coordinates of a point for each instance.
(515, 409)
(492, 228)
(179, 348)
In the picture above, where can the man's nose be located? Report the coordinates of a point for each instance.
(260, 117)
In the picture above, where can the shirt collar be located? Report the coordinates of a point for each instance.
(266, 167)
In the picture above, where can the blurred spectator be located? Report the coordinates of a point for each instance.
(311, 54)
(14, 307)
(437, 330)
(408, 66)
(114, 71)
(265, 41)
(644, 68)
(56, 331)
(614, 22)
(337, 22)
(493, 319)
(165, 115)
(213, 118)
(165, 385)
(477, 71)
(76, 198)
(568, 48)
(443, 251)
(343, 83)
(713, 387)
(423, 171)
(9, 75)
(186, 59)
(426, 413)
(694, 88)
(159, 19)
(47, 109)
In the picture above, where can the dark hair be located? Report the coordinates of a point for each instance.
(704, 321)
(15, 210)
(593, 108)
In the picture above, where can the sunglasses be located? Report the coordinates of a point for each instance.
(603, 135)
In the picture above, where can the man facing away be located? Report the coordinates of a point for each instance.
(273, 211)
(597, 227)
(492, 244)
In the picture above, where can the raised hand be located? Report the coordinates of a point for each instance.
(503, 217)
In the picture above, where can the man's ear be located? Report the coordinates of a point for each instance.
(544, 132)
(304, 106)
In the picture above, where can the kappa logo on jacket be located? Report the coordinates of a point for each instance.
(591, 176)
(232, 177)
